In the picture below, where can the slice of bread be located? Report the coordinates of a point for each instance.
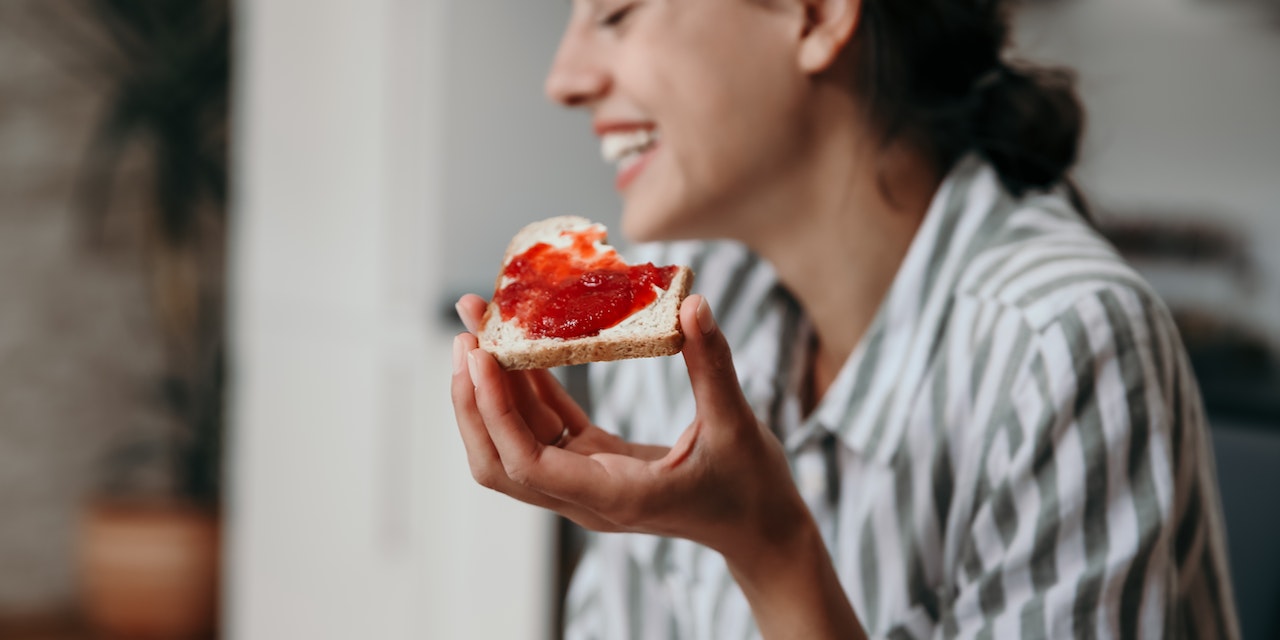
(649, 332)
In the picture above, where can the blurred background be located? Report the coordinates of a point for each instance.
(231, 234)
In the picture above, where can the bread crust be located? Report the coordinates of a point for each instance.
(651, 332)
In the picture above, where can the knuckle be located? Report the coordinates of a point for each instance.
(517, 472)
(485, 477)
(520, 466)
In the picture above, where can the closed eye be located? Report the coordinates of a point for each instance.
(616, 17)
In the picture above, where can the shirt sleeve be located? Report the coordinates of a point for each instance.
(1097, 513)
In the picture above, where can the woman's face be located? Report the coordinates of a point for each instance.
(699, 104)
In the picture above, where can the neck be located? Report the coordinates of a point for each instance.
(849, 221)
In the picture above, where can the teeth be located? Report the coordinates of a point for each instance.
(628, 160)
(626, 145)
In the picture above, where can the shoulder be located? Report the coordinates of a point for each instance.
(1044, 261)
(1057, 341)
(1052, 298)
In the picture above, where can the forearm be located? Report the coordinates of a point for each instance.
(793, 589)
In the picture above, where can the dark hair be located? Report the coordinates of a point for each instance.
(934, 72)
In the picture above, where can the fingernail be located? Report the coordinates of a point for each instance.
(471, 366)
(458, 353)
(457, 306)
(706, 321)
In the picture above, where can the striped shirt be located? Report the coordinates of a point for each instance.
(1016, 448)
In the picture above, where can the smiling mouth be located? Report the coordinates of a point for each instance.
(625, 148)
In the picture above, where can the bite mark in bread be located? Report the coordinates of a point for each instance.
(649, 332)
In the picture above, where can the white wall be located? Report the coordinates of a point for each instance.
(351, 511)
(1184, 108)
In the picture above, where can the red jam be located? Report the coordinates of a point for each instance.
(576, 291)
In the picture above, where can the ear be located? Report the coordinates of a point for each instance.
(828, 28)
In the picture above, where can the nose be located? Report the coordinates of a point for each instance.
(577, 77)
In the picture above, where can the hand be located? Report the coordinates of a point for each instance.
(725, 484)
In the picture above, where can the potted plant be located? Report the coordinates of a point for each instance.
(150, 565)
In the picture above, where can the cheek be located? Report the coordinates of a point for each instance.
(728, 111)
(732, 124)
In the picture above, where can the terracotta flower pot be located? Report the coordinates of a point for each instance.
(150, 570)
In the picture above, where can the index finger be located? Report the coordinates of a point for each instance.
(569, 476)
(471, 309)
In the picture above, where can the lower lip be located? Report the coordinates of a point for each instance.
(625, 178)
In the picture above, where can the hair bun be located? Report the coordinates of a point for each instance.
(1027, 122)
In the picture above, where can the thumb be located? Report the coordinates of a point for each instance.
(706, 354)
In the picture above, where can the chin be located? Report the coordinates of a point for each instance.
(671, 221)
(650, 222)
(662, 208)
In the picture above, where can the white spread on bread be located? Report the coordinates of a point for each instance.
(564, 240)
(652, 331)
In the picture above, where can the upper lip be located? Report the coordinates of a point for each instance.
(603, 127)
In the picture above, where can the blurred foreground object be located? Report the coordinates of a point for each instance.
(151, 569)
(150, 562)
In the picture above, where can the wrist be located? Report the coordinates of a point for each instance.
(779, 545)
(792, 586)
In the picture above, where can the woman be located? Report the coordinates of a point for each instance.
(955, 411)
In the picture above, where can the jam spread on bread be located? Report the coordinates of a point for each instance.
(576, 291)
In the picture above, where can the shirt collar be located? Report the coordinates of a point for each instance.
(866, 405)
